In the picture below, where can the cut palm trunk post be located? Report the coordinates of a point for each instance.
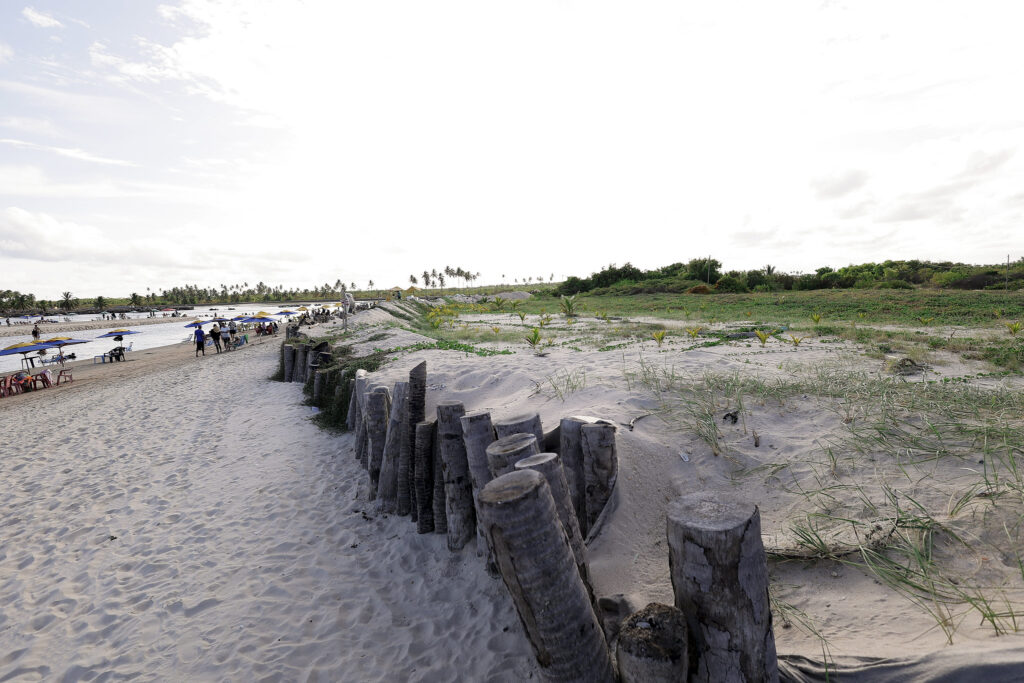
(652, 646)
(387, 487)
(313, 357)
(720, 580)
(289, 361)
(571, 451)
(300, 364)
(478, 434)
(377, 403)
(438, 499)
(424, 483)
(550, 466)
(360, 393)
(458, 485)
(520, 424)
(416, 413)
(353, 406)
(600, 468)
(503, 454)
(539, 570)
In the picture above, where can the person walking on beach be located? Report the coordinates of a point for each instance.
(200, 341)
(35, 331)
(215, 333)
(225, 338)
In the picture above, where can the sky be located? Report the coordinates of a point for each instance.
(149, 144)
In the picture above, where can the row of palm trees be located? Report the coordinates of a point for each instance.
(435, 278)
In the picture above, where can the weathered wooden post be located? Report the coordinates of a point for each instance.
(424, 481)
(377, 402)
(353, 406)
(550, 466)
(387, 489)
(415, 413)
(600, 467)
(438, 498)
(570, 448)
(652, 646)
(478, 434)
(503, 454)
(720, 580)
(313, 357)
(538, 568)
(458, 485)
(360, 394)
(299, 368)
(520, 424)
(289, 361)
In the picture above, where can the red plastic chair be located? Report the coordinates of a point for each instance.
(65, 375)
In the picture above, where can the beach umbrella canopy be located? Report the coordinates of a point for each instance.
(285, 313)
(61, 342)
(197, 323)
(239, 317)
(117, 333)
(24, 348)
(303, 308)
(258, 319)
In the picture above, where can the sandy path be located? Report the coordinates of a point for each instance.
(185, 521)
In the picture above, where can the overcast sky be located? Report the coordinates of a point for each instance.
(153, 144)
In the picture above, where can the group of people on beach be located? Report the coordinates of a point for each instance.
(221, 336)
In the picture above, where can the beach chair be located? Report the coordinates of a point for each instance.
(65, 375)
(42, 378)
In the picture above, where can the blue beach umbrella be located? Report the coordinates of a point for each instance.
(196, 323)
(117, 333)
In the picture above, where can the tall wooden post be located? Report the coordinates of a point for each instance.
(600, 468)
(424, 483)
(415, 414)
(520, 424)
(299, 369)
(538, 568)
(438, 499)
(720, 580)
(571, 450)
(360, 392)
(377, 402)
(478, 434)
(387, 489)
(458, 487)
(289, 361)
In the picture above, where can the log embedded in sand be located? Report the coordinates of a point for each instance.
(538, 568)
(652, 646)
(300, 363)
(570, 449)
(319, 382)
(424, 482)
(550, 466)
(377, 403)
(387, 488)
(520, 424)
(353, 407)
(478, 434)
(600, 468)
(438, 498)
(503, 454)
(720, 580)
(415, 413)
(458, 485)
(288, 352)
(360, 393)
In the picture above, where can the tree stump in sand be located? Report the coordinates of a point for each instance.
(538, 568)
(570, 448)
(720, 580)
(520, 424)
(360, 393)
(550, 466)
(478, 434)
(377, 403)
(299, 368)
(652, 646)
(424, 482)
(458, 485)
(289, 361)
(387, 488)
(415, 413)
(503, 454)
(438, 498)
(600, 468)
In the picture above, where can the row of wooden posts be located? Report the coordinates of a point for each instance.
(533, 498)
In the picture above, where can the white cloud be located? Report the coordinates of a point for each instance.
(6, 52)
(27, 124)
(40, 19)
(71, 153)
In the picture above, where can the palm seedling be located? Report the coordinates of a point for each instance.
(796, 340)
(816, 317)
(1013, 328)
(762, 336)
(568, 306)
(694, 332)
(659, 336)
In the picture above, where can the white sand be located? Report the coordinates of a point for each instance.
(242, 551)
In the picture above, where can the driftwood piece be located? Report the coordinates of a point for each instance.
(458, 485)
(424, 483)
(600, 467)
(520, 424)
(550, 466)
(539, 570)
(570, 449)
(288, 352)
(503, 454)
(415, 413)
(438, 499)
(478, 434)
(720, 580)
(652, 646)
(377, 404)
(387, 488)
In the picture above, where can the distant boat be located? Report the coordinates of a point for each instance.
(212, 309)
(229, 308)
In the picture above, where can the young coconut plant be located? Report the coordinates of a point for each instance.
(659, 336)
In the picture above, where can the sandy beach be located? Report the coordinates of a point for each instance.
(173, 517)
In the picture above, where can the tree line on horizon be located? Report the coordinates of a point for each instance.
(704, 275)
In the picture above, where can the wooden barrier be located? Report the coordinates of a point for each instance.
(458, 485)
(600, 468)
(503, 454)
(387, 487)
(520, 424)
(377, 403)
(652, 646)
(415, 414)
(424, 479)
(289, 361)
(478, 434)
